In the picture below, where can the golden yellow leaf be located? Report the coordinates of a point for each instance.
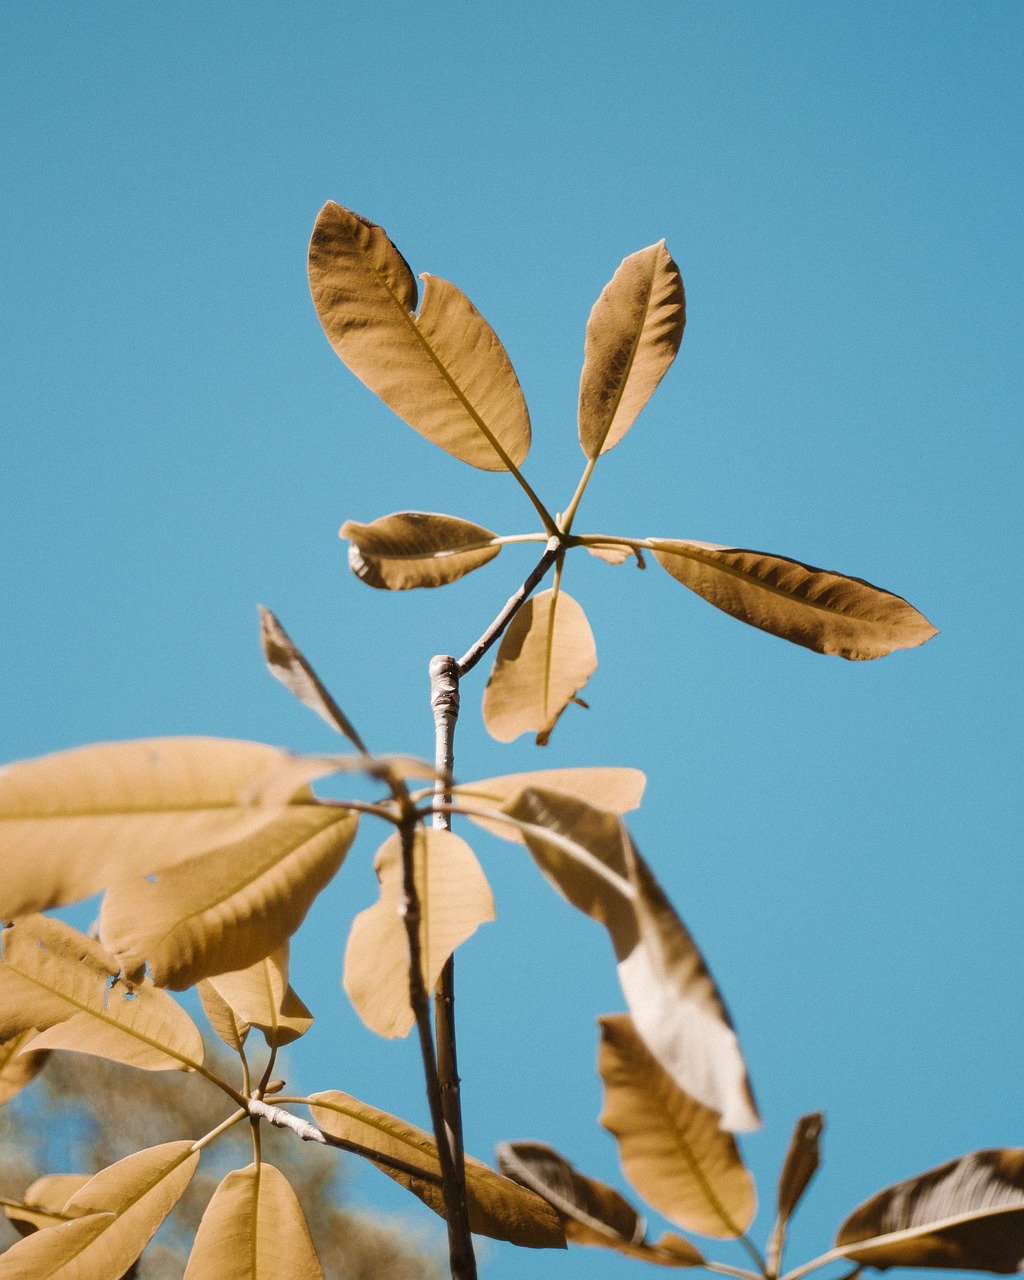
(17, 1067)
(611, 554)
(73, 822)
(633, 334)
(55, 978)
(455, 899)
(815, 608)
(965, 1215)
(498, 1207)
(416, 549)
(43, 1202)
(546, 656)
(253, 1229)
(261, 997)
(587, 854)
(226, 909)
(619, 790)
(228, 1025)
(116, 1214)
(444, 372)
(671, 1147)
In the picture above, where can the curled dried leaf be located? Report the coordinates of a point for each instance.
(261, 996)
(416, 549)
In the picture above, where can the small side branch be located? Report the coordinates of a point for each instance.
(473, 655)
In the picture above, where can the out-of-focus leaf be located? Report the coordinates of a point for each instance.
(44, 1200)
(289, 666)
(611, 554)
(498, 1207)
(545, 658)
(633, 335)
(454, 899)
(253, 1229)
(416, 549)
(801, 1162)
(55, 978)
(261, 997)
(816, 608)
(227, 909)
(116, 1214)
(73, 823)
(18, 1067)
(588, 856)
(228, 1025)
(619, 790)
(671, 1146)
(967, 1215)
(444, 372)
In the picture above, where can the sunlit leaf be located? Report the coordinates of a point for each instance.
(454, 899)
(289, 666)
(116, 1214)
(227, 909)
(588, 856)
(253, 1229)
(546, 656)
(498, 1207)
(671, 1146)
(444, 372)
(611, 554)
(55, 978)
(261, 997)
(816, 608)
(633, 335)
(18, 1067)
(416, 549)
(619, 790)
(74, 822)
(44, 1200)
(967, 1215)
(228, 1025)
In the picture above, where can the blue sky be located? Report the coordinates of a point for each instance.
(841, 186)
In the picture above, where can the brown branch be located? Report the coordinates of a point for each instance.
(515, 602)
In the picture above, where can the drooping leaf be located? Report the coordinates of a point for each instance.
(17, 1065)
(588, 856)
(619, 790)
(545, 658)
(227, 909)
(633, 335)
(455, 899)
(416, 549)
(73, 822)
(289, 666)
(253, 1229)
(116, 1214)
(967, 1215)
(443, 371)
(55, 978)
(44, 1200)
(261, 997)
(228, 1025)
(498, 1207)
(816, 608)
(672, 1148)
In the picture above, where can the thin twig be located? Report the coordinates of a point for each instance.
(473, 655)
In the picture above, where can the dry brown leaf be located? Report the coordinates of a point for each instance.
(73, 822)
(801, 1162)
(967, 1215)
(444, 372)
(815, 608)
(227, 909)
(588, 856)
(253, 1229)
(17, 1067)
(633, 334)
(55, 978)
(498, 1207)
(619, 790)
(545, 658)
(416, 549)
(455, 899)
(671, 1147)
(116, 1214)
(261, 997)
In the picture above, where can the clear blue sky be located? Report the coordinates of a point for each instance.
(841, 185)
